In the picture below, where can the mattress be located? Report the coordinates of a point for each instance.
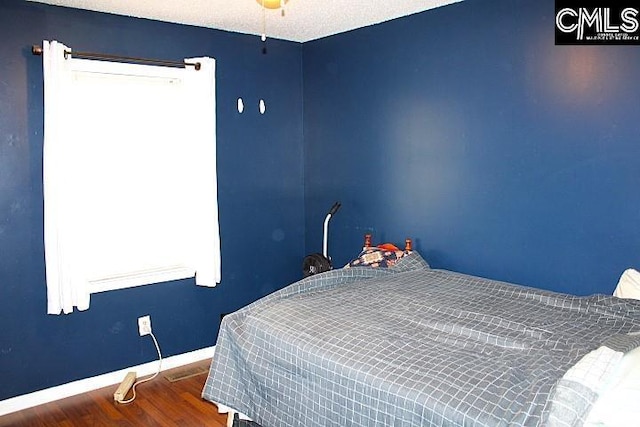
(412, 346)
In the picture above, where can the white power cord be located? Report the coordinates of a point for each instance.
(137, 383)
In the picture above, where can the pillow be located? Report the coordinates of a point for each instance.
(628, 285)
(618, 402)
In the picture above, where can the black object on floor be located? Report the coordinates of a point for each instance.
(237, 422)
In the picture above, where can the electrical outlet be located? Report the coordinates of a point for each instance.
(144, 325)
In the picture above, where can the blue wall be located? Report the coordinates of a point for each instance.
(467, 129)
(464, 127)
(260, 177)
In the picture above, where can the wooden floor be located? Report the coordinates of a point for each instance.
(158, 403)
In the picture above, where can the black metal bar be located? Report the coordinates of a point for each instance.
(37, 50)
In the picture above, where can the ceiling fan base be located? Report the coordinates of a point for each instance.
(270, 4)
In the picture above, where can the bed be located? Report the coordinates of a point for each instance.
(407, 345)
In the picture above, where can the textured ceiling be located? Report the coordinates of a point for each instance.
(304, 20)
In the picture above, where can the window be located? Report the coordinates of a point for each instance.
(129, 176)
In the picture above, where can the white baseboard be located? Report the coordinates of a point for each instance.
(30, 400)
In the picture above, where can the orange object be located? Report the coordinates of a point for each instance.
(388, 247)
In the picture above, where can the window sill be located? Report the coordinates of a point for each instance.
(141, 278)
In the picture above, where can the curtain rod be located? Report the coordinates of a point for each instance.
(37, 50)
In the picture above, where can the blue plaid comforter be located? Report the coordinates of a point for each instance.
(406, 346)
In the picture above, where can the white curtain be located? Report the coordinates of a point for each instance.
(105, 164)
(66, 288)
(206, 249)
